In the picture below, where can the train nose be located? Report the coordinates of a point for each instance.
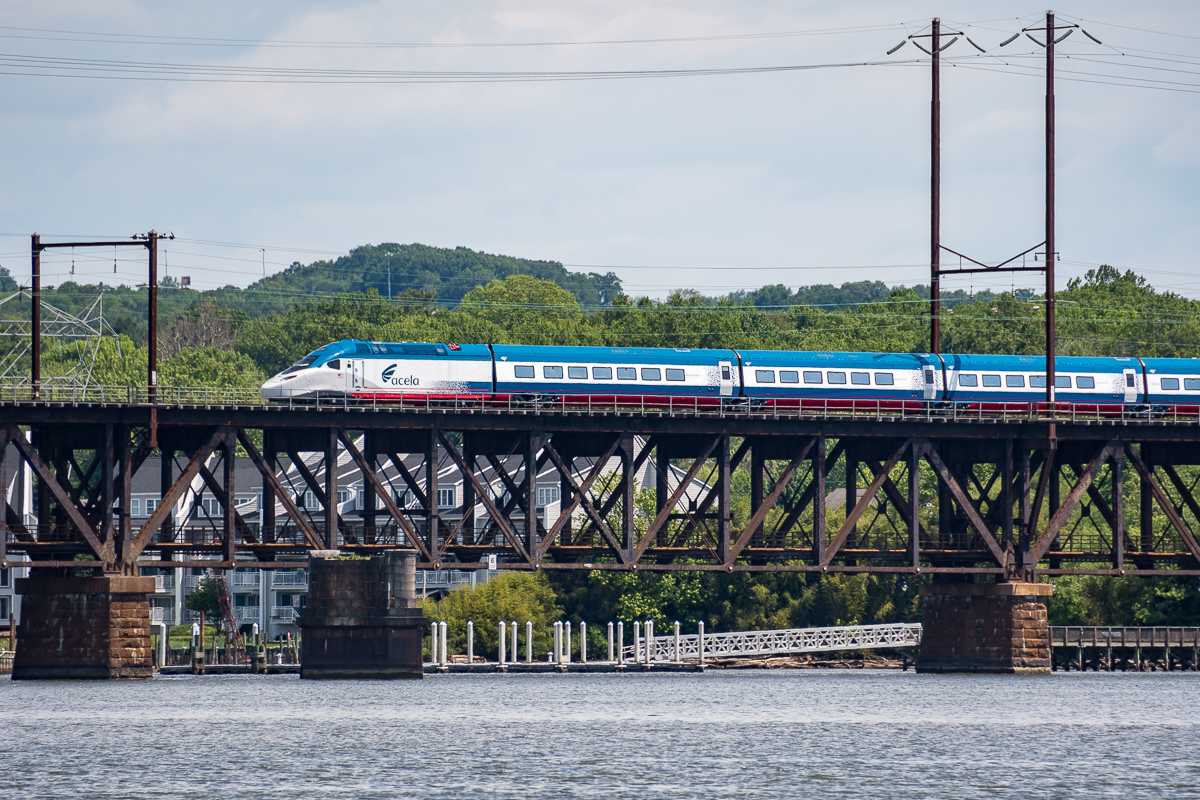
(273, 388)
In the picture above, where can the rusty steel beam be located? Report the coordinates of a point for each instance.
(580, 498)
(318, 491)
(661, 518)
(1068, 506)
(761, 514)
(1164, 502)
(389, 502)
(284, 495)
(49, 482)
(498, 518)
(964, 501)
(863, 503)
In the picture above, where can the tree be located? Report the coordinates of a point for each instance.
(515, 597)
(204, 599)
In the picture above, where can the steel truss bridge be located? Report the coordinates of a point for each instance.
(1012, 493)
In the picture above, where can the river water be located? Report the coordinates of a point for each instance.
(763, 734)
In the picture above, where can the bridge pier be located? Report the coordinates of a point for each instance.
(362, 620)
(84, 628)
(986, 627)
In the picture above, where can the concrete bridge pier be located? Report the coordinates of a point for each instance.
(986, 627)
(362, 621)
(84, 628)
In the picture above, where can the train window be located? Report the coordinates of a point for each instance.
(651, 374)
(1170, 384)
(1038, 381)
(626, 374)
(577, 373)
(421, 349)
(1191, 384)
(1129, 379)
(1014, 381)
(1062, 382)
(552, 372)
(837, 377)
(523, 371)
(812, 376)
(676, 374)
(764, 375)
(602, 373)
(304, 362)
(860, 378)
(884, 379)
(991, 380)
(335, 364)
(968, 380)
(724, 373)
(789, 376)
(1085, 382)
(929, 376)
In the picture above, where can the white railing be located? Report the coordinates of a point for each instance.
(245, 579)
(739, 644)
(289, 578)
(246, 613)
(889, 409)
(159, 616)
(192, 582)
(285, 613)
(429, 579)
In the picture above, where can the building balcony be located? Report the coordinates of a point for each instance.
(246, 579)
(285, 614)
(246, 613)
(290, 578)
(162, 616)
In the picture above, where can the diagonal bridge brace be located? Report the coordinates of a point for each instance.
(661, 519)
(498, 518)
(389, 502)
(580, 497)
(769, 501)
(1164, 502)
(281, 493)
(103, 551)
(1084, 482)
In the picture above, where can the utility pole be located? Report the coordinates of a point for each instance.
(1051, 255)
(935, 196)
(35, 373)
(389, 258)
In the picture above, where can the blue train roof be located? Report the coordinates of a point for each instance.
(1038, 363)
(1173, 366)
(786, 358)
(361, 347)
(611, 355)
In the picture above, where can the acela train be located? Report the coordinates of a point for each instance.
(392, 371)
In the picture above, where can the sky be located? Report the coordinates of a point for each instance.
(262, 134)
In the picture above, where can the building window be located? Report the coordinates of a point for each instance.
(135, 507)
(343, 496)
(404, 498)
(546, 495)
(4, 601)
(243, 600)
(244, 500)
(150, 506)
(446, 498)
(207, 507)
(310, 500)
(5, 578)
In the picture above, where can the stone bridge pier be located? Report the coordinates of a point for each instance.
(84, 628)
(362, 620)
(985, 627)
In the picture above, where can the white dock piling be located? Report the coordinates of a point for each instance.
(582, 642)
(471, 642)
(528, 641)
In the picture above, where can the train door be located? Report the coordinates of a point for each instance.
(356, 373)
(930, 384)
(726, 378)
(1130, 386)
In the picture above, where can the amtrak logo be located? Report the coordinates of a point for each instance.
(390, 379)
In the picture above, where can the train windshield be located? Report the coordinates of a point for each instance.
(305, 362)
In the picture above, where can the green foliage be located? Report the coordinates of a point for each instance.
(1103, 600)
(205, 599)
(518, 597)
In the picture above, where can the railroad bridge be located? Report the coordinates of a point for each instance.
(984, 502)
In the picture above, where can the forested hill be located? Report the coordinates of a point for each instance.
(399, 270)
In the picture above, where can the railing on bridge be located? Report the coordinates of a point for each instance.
(1124, 637)
(686, 406)
(742, 644)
